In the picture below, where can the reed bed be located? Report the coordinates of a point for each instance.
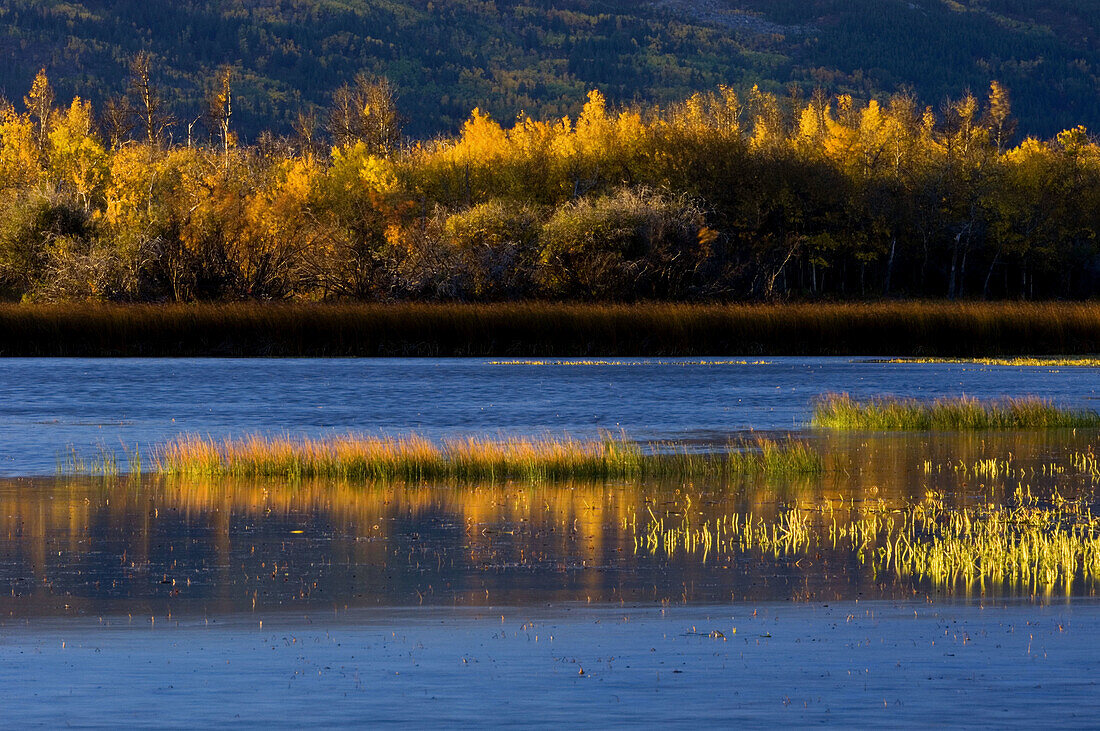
(542, 329)
(414, 458)
(840, 411)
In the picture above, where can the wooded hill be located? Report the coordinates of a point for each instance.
(446, 57)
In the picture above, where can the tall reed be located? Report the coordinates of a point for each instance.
(543, 329)
(841, 411)
(414, 458)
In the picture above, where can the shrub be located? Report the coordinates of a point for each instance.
(630, 244)
(498, 246)
(31, 227)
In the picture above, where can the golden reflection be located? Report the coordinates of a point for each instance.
(50, 526)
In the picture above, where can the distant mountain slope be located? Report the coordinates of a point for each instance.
(447, 56)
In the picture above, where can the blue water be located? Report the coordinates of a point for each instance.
(851, 665)
(134, 603)
(50, 405)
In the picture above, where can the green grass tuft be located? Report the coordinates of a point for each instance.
(840, 411)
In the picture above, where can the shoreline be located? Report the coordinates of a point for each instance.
(536, 329)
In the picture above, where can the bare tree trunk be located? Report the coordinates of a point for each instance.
(924, 267)
(890, 267)
(770, 289)
(954, 266)
(989, 276)
(962, 271)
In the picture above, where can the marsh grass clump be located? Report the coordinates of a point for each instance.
(103, 463)
(776, 457)
(414, 458)
(841, 411)
(411, 458)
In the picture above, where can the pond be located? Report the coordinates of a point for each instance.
(167, 600)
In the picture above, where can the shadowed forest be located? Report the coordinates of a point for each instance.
(721, 197)
(543, 56)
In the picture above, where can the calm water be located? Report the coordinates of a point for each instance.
(167, 547)
(876, 664)
(159, 602)
(165, 602)
(47, 405)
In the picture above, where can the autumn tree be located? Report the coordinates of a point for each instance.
(20, 159)
(219, 108)
(117, 120)
(78, 160)
(150, 108)
(999, 117)
(365, 111)
(39, 103)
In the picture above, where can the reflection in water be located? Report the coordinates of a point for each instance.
(157, 546)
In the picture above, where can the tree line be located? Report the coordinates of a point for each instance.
(721, 197)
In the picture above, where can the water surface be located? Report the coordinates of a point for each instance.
(907, 664)
(155, 601)
(47, 405)
(175, 546)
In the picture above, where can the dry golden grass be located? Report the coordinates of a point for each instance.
(414, 458)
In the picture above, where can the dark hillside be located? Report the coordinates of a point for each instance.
(541, 56)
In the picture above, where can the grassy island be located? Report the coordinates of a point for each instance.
(414, 458)
(840, 411)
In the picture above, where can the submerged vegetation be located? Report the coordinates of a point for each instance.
(1085, 465)
(548, 330)
(725, 196)
(840, 411)
(1021, 544)
(414, 458)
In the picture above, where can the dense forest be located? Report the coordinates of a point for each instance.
(722, 196)
(445, 57)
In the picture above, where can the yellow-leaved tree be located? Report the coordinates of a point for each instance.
(20, 161)
(77, 159)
